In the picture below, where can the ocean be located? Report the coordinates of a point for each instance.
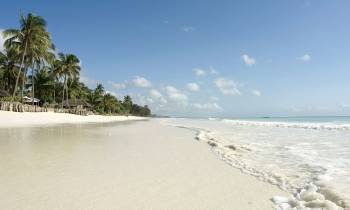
(306, 156)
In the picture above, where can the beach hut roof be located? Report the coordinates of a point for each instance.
(4, 93)
(29, 100)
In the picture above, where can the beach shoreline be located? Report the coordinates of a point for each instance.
(112, 166)
(25, 119)
(254, 146)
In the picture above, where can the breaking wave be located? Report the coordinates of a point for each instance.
(306, 125)
(312, 193)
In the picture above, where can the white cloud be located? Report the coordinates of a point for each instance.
(141, 99)
(249, 61)
(227, 87)
(138, 81)
(156, 95)
(176, 95)
(141, 82)
(188, 28)
(305, 58)
(256, 92)
(199, 72)
(86, 80)
(193, 87)
(119, 86)
(207, 106)
(213, 71)
(113, 93)
(2, 40)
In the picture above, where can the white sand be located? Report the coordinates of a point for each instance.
(140, 165)
(20, 119)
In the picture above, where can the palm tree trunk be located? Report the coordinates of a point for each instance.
(22, 87)
(20, 69)
(33, 86)
(54, 92)
(23, 84)
(8, 87)
(64, 86)
(67, 96)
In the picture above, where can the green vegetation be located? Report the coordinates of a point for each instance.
(29, 67)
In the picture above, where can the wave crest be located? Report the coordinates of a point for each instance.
(315, 126)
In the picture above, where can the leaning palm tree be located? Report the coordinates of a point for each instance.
(68, 68)
(32, 40)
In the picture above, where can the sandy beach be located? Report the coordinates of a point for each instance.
(198, 105)
(122, 165)
(22, 119)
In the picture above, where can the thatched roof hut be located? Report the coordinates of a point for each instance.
(27, 99)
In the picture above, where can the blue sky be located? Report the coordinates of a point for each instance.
(208, 58)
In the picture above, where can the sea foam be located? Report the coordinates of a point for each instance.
(302, 159)
(309, 196)
(305, 125)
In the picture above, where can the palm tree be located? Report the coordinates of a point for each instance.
(68, 68)
(44, 83)
(32, 40)
(99, 90)
(8, 60)
(95, 98)
(110, 104)
(55, 73)
(127, 103)
(78, 90)
(39, 61)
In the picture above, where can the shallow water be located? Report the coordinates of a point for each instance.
(296, 154)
